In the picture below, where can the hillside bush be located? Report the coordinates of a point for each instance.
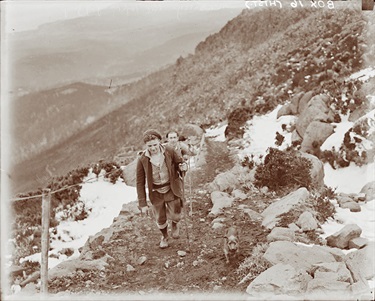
(282, 170)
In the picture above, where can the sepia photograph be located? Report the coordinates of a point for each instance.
(187, 150)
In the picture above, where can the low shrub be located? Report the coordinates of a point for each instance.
(283, 170)
(254, 265)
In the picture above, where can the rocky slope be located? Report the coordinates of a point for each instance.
(261, 67)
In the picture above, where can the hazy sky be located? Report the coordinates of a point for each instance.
(26, 15)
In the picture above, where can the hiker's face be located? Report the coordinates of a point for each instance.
(153, 146)
(172, 138)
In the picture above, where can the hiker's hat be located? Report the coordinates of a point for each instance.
(149, 133)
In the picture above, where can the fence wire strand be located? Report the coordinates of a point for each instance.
(61, 189)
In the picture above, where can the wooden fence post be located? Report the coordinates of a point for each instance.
(46, 200)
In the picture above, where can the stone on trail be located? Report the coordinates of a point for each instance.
(129, 268)
(220, 200)
(181, 253)
(141, 260)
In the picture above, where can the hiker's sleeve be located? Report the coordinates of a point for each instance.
(141, 182)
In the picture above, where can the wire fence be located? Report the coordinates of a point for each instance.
(62, 188)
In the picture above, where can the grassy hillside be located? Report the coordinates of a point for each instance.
(252, 61)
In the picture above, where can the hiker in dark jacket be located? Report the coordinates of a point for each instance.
(160, 166)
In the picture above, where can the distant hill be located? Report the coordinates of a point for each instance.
(114, 43)
(253, 61)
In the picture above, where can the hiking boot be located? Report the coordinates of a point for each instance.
(175, 231)
(164, 243)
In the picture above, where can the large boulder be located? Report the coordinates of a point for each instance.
(220, 200)
(298, 256)
(316, 171)
(316, 110)
(323, 289)
(294, 103)
(369, 190)
(303, 101)
(341, 238)
(336, 271)
(285, 110)
(316, 133)
(281, 279)
(284, 205)
(361, 263)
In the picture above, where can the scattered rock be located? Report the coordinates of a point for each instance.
(342, 199)
(15, 270)
(141, 260)
(216, 226)
(220, 200)
(284, 205)
(129, 268)
(181, 253)
(278, 280)
(239, 194)
(358, 243)
(225, 181)
(307, 221)
(253, 215)
(281, 234)
(352, 206)
(341, 238)
(369, 190)
(293, 227)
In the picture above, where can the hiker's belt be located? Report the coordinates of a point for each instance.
(155, 186)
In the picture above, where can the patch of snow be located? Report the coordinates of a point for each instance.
(105, 201)
(260, 133)
(364, 74)
(337, 138)
(350, 179)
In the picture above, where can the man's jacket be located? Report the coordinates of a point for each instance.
(144, 174)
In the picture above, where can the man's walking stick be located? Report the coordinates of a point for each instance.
(185, 215)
